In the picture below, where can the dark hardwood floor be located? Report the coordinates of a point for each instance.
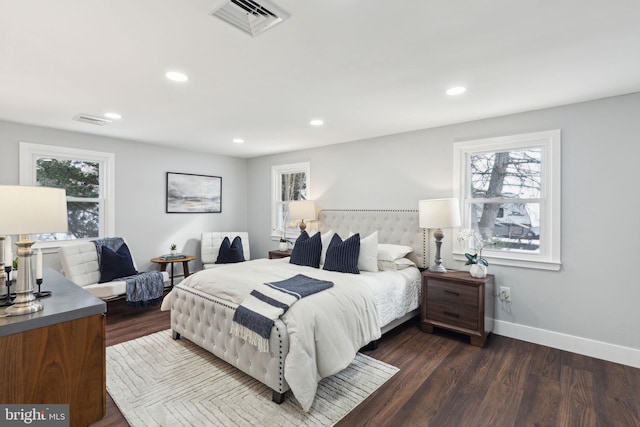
(443, 381)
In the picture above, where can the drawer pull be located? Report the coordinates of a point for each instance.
(450, 314)
(448, 292)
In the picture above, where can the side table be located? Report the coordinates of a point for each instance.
(184, 260)
(458, 302)
(275, 254)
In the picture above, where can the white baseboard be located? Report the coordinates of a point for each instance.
(598, 349)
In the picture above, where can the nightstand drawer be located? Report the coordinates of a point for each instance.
(462, 316)
(452, 293)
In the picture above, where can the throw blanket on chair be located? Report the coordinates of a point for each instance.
(143, 289)
(255, 317)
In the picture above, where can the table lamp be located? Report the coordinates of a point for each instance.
(30, 210)
(302, 209)
(438, 214)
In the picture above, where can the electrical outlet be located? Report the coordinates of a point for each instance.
(505, 293)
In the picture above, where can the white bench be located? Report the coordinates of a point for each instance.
(80, 265)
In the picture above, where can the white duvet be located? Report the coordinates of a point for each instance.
(325, 329)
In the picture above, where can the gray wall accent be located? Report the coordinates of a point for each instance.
(596, 292)
(140, 179)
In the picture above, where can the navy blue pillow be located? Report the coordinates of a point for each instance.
(230, 252)
(342, 256)
(307, 250)
(116, 264)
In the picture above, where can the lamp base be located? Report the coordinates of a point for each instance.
(25, 302)
(18, 309)
(438, 268)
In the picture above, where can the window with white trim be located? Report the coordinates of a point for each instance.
(509, 189)
(88, 178)
(288, 182)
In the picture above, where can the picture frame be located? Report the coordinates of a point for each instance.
(192, 193)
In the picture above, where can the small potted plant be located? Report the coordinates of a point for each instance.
(174, 249)
(284, 244)
(478, 264)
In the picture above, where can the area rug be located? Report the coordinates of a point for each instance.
(158, 381)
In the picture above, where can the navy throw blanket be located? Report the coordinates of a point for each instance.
(143, 289)
(255, 317)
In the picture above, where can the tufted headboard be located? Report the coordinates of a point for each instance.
(399, 227)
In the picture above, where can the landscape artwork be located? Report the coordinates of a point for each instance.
(190, 193)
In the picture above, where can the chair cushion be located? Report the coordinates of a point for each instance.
(116, 264)
(230, 252)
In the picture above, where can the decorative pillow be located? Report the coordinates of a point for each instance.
(116, 264)
(307, 250)
(342, 256)
(326, 239)
(230, 252)
(389, 252)
(368, 258)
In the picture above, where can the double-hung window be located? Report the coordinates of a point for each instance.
(87, 176)
(509, 188)
(288, 182)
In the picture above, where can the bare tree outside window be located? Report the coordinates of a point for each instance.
(289, 182)
(506, 188)
(294, 187)
(510, 191)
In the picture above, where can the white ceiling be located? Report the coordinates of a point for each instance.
(368, 67)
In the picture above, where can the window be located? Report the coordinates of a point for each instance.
(509, 188)
(288, 182)
(87, 177)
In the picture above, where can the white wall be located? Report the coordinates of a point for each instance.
(140, 175)
(593, 300)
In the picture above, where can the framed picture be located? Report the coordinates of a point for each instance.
(190, 193)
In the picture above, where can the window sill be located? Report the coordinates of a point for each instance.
(515, 262)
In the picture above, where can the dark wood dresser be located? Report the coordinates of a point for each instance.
(57, 355)
(458, 302)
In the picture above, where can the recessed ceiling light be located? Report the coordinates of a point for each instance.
(316, 122)
(456, 90)
(176, 76)
(112, 116)
(238, 140)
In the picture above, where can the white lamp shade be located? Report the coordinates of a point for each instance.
(439, 213)
(32, 210)
(302, 209)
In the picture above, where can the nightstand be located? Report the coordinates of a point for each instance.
(275, 254)
(458, 302)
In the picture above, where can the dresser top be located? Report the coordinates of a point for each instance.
(67, 302)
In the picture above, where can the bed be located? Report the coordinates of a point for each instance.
(305, 346)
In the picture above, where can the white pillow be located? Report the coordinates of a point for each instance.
(402, 263)
(326, 239)
(398, 264)
(368, 257)
(389, 252)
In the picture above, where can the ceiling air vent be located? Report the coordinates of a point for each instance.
(252, 17)
(94, 120)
